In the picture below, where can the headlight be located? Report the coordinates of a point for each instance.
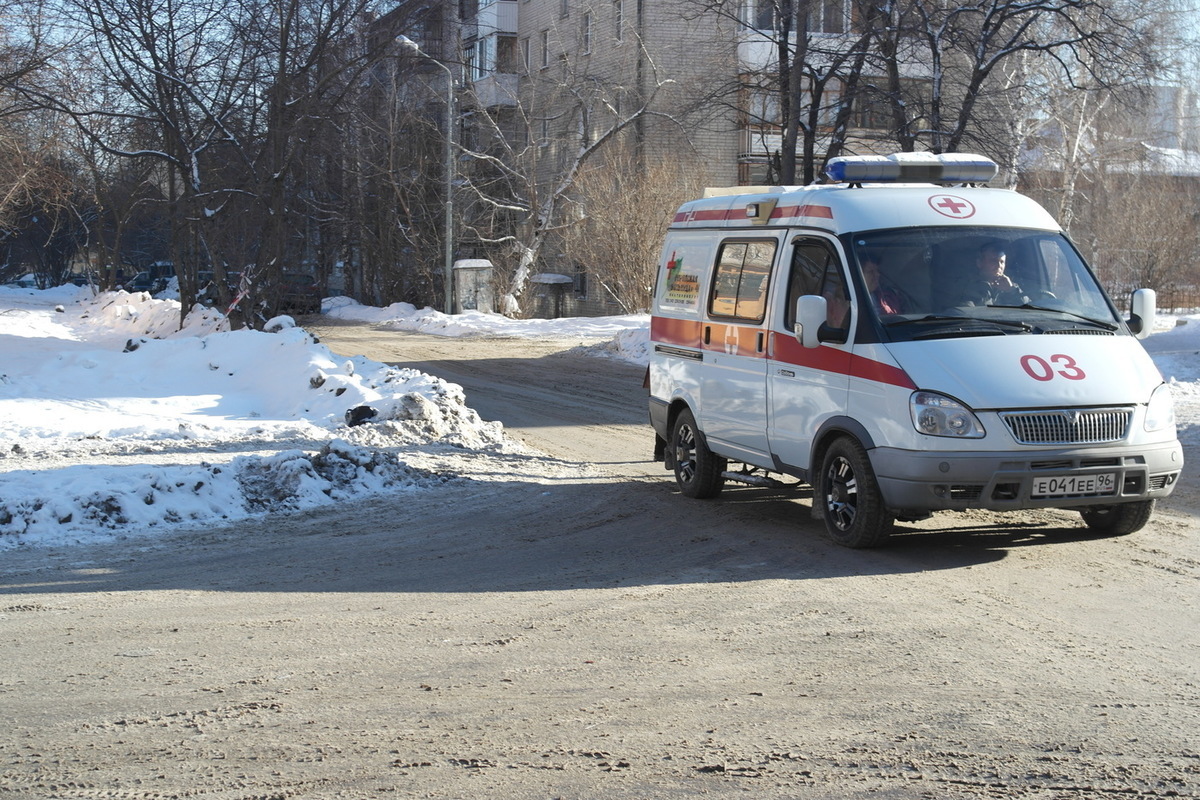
(1160, 411)
(938, 415)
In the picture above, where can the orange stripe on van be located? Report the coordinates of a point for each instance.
(821, 212)
(677, 332)
(740, 340)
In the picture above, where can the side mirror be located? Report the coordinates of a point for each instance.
(811, 310)
(1142, 310)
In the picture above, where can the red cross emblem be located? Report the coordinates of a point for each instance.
(950, 206)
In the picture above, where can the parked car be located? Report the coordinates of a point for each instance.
(300, 294)
(145, 282)
(24, 282)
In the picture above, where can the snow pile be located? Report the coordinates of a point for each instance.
(406, 317)
(81, 380)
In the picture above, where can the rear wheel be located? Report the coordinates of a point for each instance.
(1118, 520)
(852, 504)
(698, 471)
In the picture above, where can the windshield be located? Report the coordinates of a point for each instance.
(979, 281)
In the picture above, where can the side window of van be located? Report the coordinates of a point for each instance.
(742, 276)
(816, 270)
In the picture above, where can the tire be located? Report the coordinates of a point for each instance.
(698, 471)
(1118, 520)
(852, 505)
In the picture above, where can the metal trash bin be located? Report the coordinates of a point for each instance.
(473, 285)
(551, 294)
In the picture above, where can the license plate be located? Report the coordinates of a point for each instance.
(1065, 485)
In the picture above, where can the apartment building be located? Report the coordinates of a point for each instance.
(686, 82)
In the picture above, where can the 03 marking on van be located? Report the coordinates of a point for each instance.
(1040, 369)
(952, 206)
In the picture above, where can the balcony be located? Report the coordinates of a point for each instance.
(497, 17)
(759, 144)
(496, 90)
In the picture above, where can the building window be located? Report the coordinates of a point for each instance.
(874, 110)
(618, 20)
(762, 106)
(829, 16)
(586, 32)
(525, 54)
(470, 61)
(759, 15)
(506, 54)
(545, 49)
(484, 59)
(824, 16)
(564, 8)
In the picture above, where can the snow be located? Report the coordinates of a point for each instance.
(116, 424)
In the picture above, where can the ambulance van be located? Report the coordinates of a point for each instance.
(904, 340)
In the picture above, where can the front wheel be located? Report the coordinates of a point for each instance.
(698, 471)
(1118, 520)
(852, 504)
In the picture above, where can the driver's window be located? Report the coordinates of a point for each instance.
(816, 269)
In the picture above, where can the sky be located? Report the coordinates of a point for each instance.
(113, 424)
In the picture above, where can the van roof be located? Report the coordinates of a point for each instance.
(843, 208)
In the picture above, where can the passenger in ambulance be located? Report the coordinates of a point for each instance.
(837, 302)
(885, 299)
(992, 286)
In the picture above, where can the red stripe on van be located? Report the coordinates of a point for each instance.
(739, 214)
(690, 333)
(711, 215)
(830, 359)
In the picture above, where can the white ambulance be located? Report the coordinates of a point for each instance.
(905, 340)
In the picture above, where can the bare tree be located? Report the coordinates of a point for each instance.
(528, 163)
(624, 208)
(967, 47)
(393, 187)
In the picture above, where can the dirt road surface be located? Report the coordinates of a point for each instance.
(568, 626)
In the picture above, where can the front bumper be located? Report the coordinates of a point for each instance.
(1003, 481)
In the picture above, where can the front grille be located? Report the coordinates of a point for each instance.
(1069, 425)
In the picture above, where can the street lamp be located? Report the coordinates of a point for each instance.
(411, 46)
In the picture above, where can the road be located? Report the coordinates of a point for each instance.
(566, 625)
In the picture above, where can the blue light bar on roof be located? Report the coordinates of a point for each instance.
(912, 168)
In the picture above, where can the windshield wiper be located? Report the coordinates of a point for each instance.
(1099, 323)
(958, 318)
(927, 318)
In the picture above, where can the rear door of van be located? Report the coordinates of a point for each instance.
(734, 416)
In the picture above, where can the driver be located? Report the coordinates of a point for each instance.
(992, 286)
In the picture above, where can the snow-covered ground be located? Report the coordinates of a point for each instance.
(101, 399)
